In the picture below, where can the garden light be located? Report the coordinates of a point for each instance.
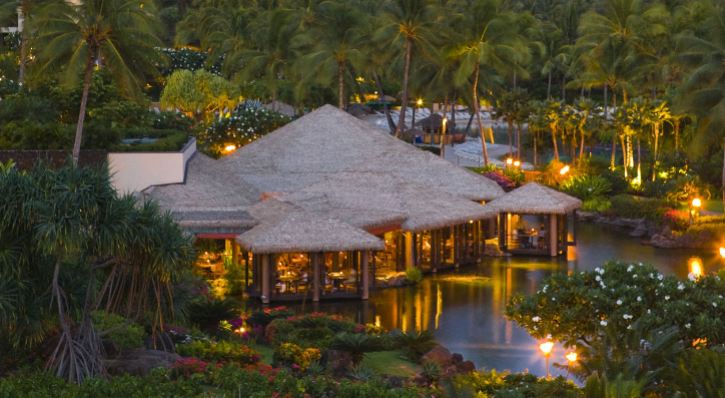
(571, 357)
(696, 203)
(419, 102)
(564, 170)
(230, 148)
(517, 163)
(722, 252)
(695, 268)
(509, 161)
(546, 348)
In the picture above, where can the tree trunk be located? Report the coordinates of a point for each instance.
(536, 144)
(553, 140)
(88, 73)
(470, 121)
(341, 85)
(476, 109)
(723, 176)
(625, 154)
(510, 131)
(518, 141)
(404, 99)
(548, 89)
(639, 160)
(581, 143)
(563, 89)
(23, 45)
(656, 128)
(386, 109)
(677, 134)
(613, 160)
(490, 135)
(453, 113)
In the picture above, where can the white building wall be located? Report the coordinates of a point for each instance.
(136, 171)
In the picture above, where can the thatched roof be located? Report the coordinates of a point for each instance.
(534, 198)
(206, 201)
(367, 200)
(300, 231)
(329, 141)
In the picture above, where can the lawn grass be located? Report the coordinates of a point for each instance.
(713, 205)
(266, 352)
(391, 363)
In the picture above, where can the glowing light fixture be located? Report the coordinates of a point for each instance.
(564, 170)
(230, 148)
(546, 348)
(419, 102)
(695, 267)
(571, 357)
(509, 161)
(722, 252)
(697, 203)
(517, 163)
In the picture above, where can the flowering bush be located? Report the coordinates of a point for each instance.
(617, 308)
(677, 219)
(187, 58)
(248, 122)
(185, 367)
(264, 316)
(220, 351)
(295, 357)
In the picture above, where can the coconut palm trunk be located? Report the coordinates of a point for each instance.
(386, 108)
(510, 131)
(404, 99)
(87, 74)
(341, 85)
(553, 129)
(476, 108)
(548, 89)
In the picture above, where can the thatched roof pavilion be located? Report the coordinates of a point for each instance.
(534, 198)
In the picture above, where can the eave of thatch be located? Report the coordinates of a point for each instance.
(301, 231)
(534, 198)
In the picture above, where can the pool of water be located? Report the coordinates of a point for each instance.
(465, 308)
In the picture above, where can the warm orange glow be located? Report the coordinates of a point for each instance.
(241, 330)
(419, 102)
(571, 357)
(546, 347)
(564, 170)
(230, 148)
(722, 252)
(696, 203)
(509, 161)
(517, 163)
(696, 267)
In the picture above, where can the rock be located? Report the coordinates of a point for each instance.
(140, 361)
(456, 358)
(466, 367)
(640, 230)
(585, 216)
(439, 355)
(337, 362)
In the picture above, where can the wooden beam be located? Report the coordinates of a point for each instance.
(265, 279)
(408, 243)
(316, 276)
(365, 276)
(553, 236)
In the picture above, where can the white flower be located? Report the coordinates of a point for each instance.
(627, 316)
(629, 327)
(544, 289)
(634, 276)
(660, 276)
(630, 268)
(536, 319)
(554, 299)
(639, 298)
(714, 304)
(598, 270)
(619, 302)
(603, 322)
(598, 278)
(680, 286)
(649, 311)
(687, 325)
(667, 297)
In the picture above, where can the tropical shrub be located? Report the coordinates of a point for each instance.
(309, 330)
(121, 332)
(677, 219)
(188, 59)
(266, 315)
(587, 187)
(246, 123)
(515, 174)
(185, 367)
(207, 312)
(357, 344)
(499, 178)
(414, 275)
(609, 313)
(219, 351)
(516, 385)
(414, 344)
(168, 120)
(599, 205)
(629, 206)
(295, 357)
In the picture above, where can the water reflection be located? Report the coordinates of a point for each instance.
(465, 308)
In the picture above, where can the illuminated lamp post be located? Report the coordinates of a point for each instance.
(571, 358)
(443, 137)
(695, 206)
(546, 349)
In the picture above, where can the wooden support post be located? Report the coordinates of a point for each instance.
(365, 276)
(265, 278)
(409, 260)
(553, 236)
(247, 265)
(316, 276)
(502, 232)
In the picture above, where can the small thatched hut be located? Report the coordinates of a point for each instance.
(534, 219)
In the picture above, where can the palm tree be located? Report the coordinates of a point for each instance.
(115, 34)
(332, 45)
(406, 24)
(553, 120)
(489, 38)
(703, 91)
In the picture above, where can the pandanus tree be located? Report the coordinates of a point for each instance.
(406, 25)
(489, 39)
(75, 39)
(72, 246)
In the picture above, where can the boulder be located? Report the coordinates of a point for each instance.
(640, 230)
(140, 361)
(438, 355)
(466, 367)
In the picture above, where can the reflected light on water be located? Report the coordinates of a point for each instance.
(695, 265)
